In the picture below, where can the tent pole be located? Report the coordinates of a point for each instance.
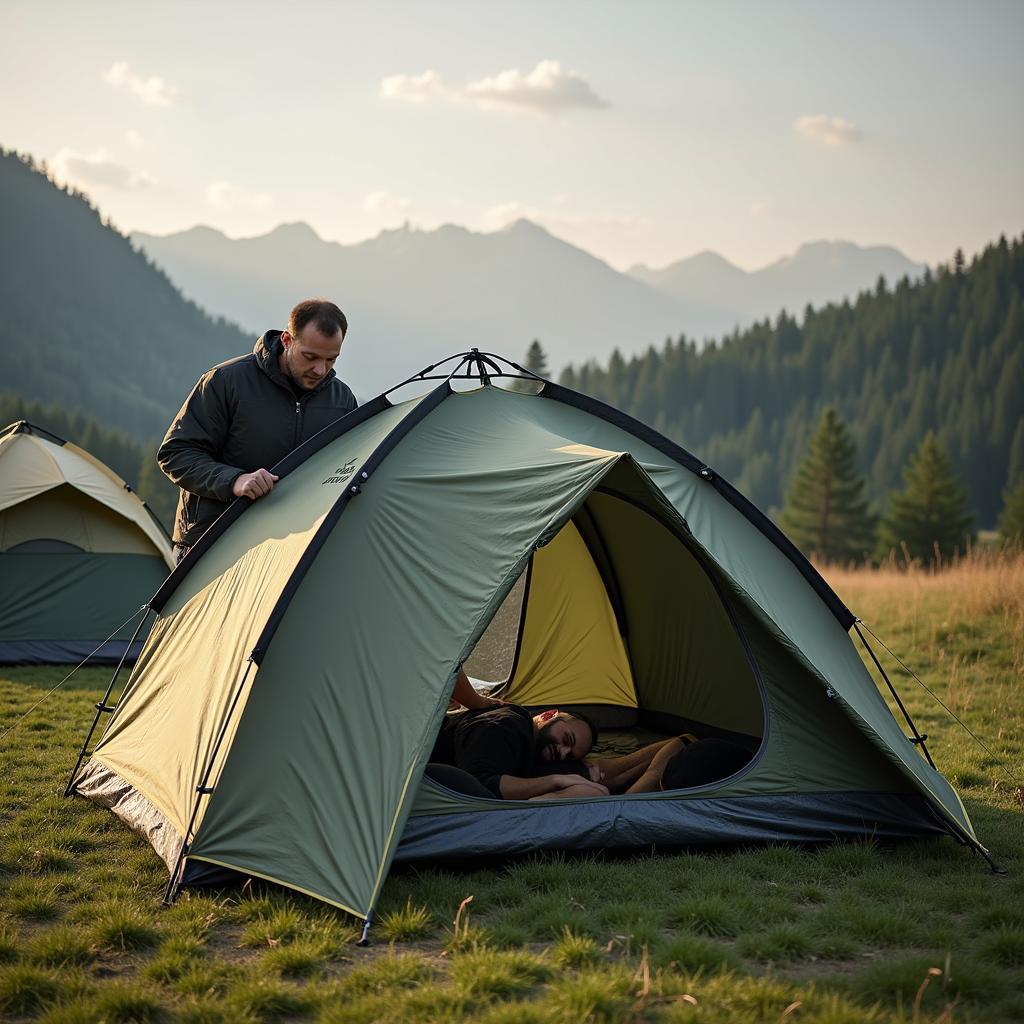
(203, 789)
(473, 358)
(103, 706)
(918, 739)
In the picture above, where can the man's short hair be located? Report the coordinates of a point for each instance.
(325, 316)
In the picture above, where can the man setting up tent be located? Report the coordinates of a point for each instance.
(245, 415)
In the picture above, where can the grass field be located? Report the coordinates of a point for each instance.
(919, 931)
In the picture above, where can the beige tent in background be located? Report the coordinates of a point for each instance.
(79, 552)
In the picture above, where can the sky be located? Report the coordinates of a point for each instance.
(643, 132)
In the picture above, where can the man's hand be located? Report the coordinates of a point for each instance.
(254, 485)
(591, 786)
(568, 787)
(663, 756)
(549, 787)
(595, 773)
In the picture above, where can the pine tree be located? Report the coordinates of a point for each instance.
(536, 360)
(929, 515)
(1011, 522)
(825, 513)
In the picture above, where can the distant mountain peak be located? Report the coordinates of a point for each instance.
(453, 229)
(295, 231)
(707, 256)
(702, 261)
(524, 226)
(197, 231)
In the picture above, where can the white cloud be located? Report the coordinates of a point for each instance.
(225, 195)
(758, 209)
(153, 91)
(545, 89)
(829, 131)
(383, 204)
(97, 170)
(133, 139)
(415, 88)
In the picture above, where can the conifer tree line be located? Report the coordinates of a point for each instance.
(944, 355)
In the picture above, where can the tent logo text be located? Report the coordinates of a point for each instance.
(342, 473)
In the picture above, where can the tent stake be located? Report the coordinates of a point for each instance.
(997, 869)
(103, 705)
(364, 940)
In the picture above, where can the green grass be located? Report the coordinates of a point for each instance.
(848, 932)
(408, 922)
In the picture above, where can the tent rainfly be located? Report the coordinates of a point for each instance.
(77, 547)
(280, 717)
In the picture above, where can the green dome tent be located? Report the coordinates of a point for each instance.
(76, 544)
(279, 719)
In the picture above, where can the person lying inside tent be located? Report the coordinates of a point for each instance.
(499, 750)
(560, 741)
(492, 749)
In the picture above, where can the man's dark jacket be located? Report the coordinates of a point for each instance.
(242, 415)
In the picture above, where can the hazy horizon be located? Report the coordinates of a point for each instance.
(411, 227)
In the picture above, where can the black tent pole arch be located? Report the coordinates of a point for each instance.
(487, 365)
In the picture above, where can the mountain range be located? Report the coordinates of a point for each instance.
(414, 296)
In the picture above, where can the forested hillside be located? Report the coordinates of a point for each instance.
(943, 354)
(87, 322)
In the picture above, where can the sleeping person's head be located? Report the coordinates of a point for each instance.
(564, 737)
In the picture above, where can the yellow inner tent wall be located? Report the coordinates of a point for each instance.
(571, 651)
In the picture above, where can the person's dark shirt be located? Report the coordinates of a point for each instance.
(487, 744)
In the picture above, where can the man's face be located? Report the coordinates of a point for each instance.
(308, 358)
(564, 739)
